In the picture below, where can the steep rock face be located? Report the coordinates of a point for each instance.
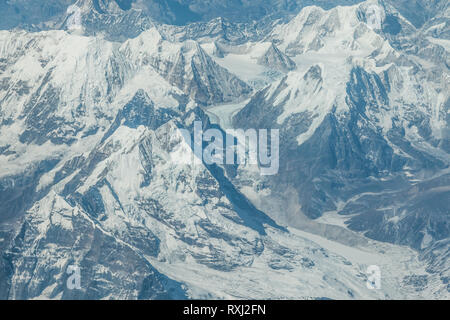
(60, 231)
(275, 59)
(60, 101)
(166, 11)
(186, 66)
(237, 11)
(181, 12)
(96, 173)
(49, 106)
(26, 13)
(219, 29)
(351, 129)
(139, 200)
(113, 20)
(418, 12)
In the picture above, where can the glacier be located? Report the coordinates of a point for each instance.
(91, 143)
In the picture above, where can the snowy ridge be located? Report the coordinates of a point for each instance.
(360, 112)
(186, 66)
(95, 170)
(129, 195)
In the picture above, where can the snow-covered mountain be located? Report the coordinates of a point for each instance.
(365, 127)
(186, 66)
(96, 171)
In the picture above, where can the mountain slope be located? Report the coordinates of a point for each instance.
(98, 101)
(131, 205)
(361, 130)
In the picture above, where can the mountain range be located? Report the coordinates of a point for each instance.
(95, 95)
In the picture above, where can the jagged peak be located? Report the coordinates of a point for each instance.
(314, 72)
(142, 97)
(100, 6)
(275, 59)
(191, 46)
(151, 35)
(153, 42)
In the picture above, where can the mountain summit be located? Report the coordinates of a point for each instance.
(101, 178)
